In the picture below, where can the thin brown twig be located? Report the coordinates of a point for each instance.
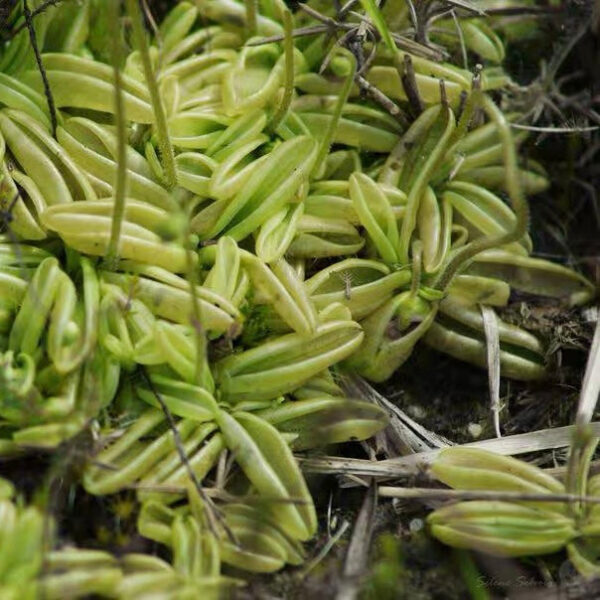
(212, 512)
(34, 13)
(152, 21)
(216, 492)
(346, 8)
(518, 11)
(300, 32)
(38, 59)
(315, 14)
(371, 58)
(401, 41)
(380, 98)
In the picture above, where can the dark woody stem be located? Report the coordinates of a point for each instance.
(472, 103)
(406, 71)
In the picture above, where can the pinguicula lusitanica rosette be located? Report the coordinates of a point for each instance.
(205, 222)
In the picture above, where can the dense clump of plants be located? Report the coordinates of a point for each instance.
(206, 222)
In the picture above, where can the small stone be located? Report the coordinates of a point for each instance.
(415, 525)
(474, 430)
(415, 411)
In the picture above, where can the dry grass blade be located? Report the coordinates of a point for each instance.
(555, 129)
(585, 440)
(355, 563)
(521, 443)
(418, 49)
(213, 516)
(492, 339)
(535, 441)
(590, 388)
(402, 435)
(464, 4)
(335, 465)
